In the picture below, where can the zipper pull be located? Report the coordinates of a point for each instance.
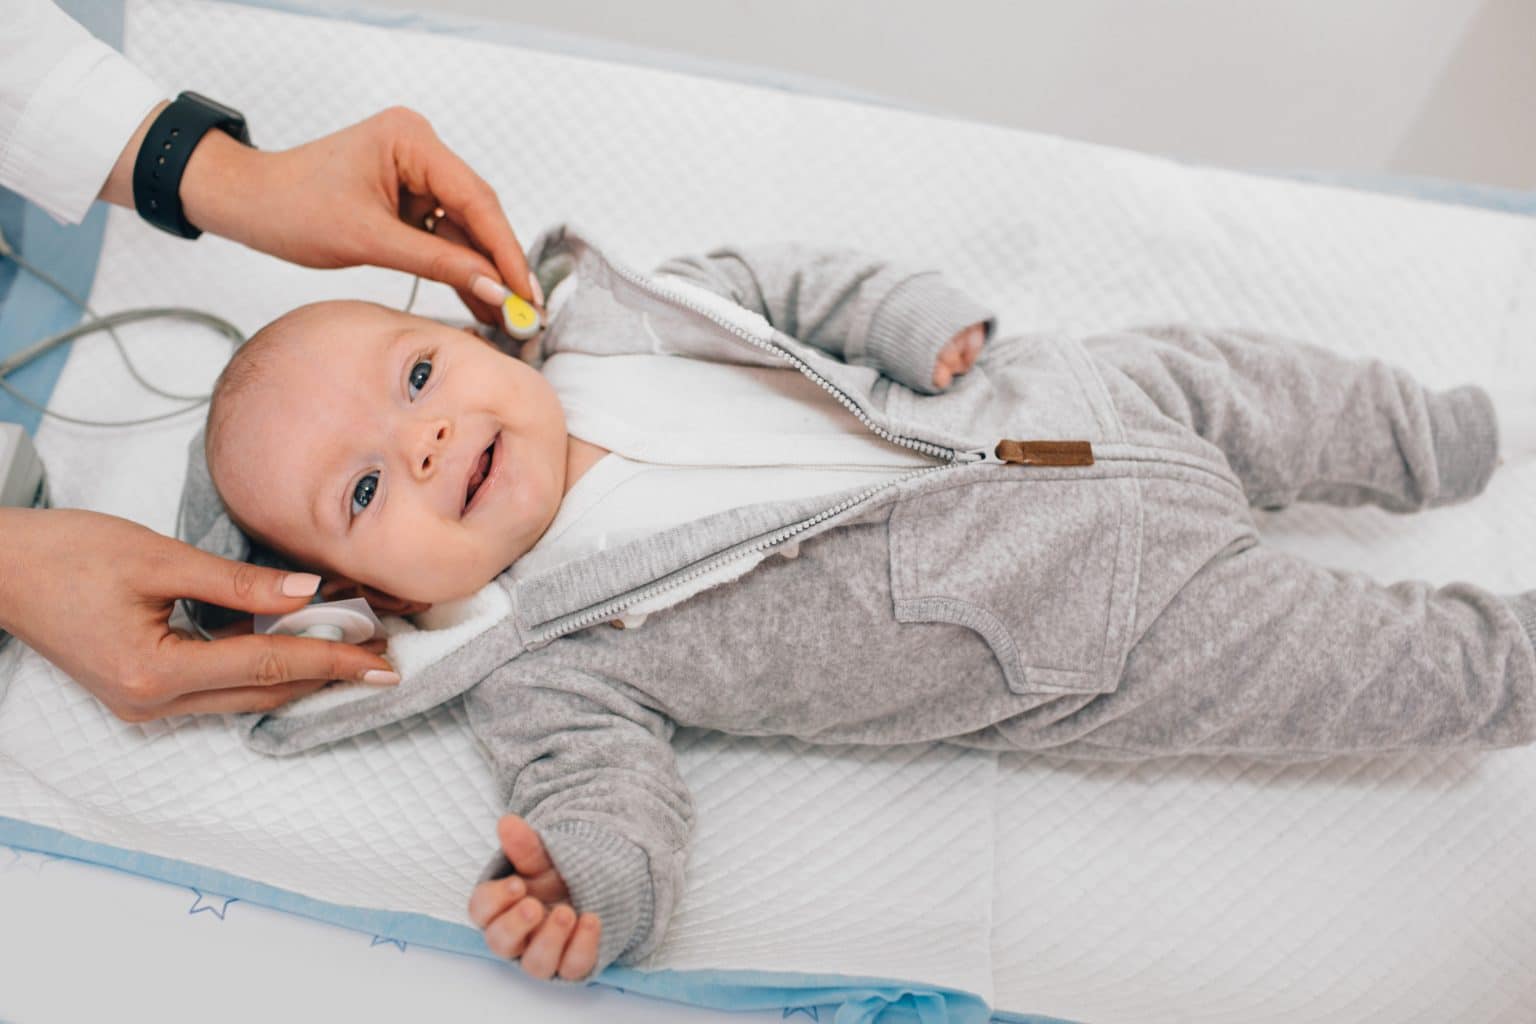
(1045, 453)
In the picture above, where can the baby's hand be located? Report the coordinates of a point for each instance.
(959, 355)
(511, 911)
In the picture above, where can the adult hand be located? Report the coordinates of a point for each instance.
(93, 594)
(355, 196)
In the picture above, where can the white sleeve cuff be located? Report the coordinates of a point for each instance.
(74, 128)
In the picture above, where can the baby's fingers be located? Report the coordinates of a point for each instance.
(581, 952)
(491, 899)
(544, 951)
(973, 342)
(507, 935)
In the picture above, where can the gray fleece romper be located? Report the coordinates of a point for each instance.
(1079, 572)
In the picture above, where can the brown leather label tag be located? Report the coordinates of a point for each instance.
(1046, 453)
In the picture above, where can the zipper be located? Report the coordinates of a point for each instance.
(1029, 453)
(581, 620)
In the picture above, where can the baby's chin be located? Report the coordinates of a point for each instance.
(441, 591)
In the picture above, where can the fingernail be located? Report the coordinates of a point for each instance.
(515, 886)
(486, 290)
(538, 292)
(378, 677)
(300, 584)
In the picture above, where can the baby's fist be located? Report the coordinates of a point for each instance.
(959, 355)
(511, 911)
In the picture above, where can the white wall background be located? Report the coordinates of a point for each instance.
(1440, 87)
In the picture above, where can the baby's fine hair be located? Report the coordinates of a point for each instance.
(250, 364)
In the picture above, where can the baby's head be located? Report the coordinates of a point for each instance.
(385, 448)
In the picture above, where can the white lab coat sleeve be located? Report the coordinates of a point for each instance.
(69, 103)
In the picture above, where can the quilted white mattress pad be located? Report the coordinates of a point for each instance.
(1396, 888)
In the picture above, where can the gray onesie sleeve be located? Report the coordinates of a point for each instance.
(593, 773)
(865, 310)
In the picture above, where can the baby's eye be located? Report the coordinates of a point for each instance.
(363, 493)
(419, 374)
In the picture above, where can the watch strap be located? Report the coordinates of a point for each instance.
(165, 151)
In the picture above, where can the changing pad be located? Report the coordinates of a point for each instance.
(952, 884)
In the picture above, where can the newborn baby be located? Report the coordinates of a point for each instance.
(418, 461)
(813, 511)
(396, 452)
(388, 449)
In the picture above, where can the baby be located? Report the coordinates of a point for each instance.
(1048, 545)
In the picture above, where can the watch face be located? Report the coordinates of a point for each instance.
(229, 118)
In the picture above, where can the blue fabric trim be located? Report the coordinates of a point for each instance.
(856, 1000)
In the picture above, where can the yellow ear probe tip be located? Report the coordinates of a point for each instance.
(520, 319)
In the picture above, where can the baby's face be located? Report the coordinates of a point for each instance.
(390, 449)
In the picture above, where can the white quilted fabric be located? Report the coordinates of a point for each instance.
(1193, 890)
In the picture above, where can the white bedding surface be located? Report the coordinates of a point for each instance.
(195, 956)
(1395, 889)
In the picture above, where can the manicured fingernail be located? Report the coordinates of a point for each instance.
(378, 677)
(538, 292)
(300, 584)
(486, 290)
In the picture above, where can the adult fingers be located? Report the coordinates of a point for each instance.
(186, 666)
(543, 954)
(581, 952)
(412, 250)
(240, 699)
(484, 310)
(428, 167)
(186, 571)
(414, 211)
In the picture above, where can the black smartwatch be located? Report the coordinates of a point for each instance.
(164, 154)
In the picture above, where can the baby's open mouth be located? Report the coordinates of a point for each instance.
(481, 471)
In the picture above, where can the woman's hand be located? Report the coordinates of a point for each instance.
(93, 594)
(355, 196)
(959, 355)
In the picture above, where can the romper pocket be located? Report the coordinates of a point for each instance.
(1044, 569)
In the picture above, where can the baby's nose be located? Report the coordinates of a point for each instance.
(431, 440)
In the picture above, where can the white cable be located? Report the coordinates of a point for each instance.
(106, 323)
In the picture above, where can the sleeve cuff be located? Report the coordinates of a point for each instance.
(914, 322)
(1524, 607)
(72, 131)
(1466, 439)
(607, 875)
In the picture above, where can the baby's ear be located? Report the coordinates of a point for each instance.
(339, 588)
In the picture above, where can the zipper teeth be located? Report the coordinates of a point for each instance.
(954, 457)
(937, 451)
(587, 618)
